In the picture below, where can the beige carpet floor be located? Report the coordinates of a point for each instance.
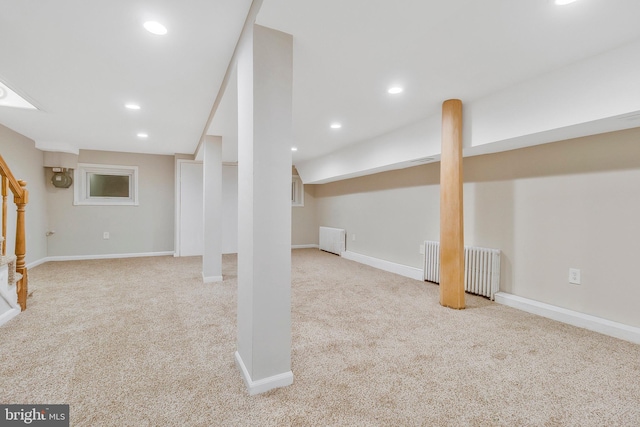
(143, 342)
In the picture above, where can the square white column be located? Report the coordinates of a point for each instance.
(264, 209)
(212, 189)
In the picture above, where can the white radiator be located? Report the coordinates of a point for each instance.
(332, 240)
(481, 268)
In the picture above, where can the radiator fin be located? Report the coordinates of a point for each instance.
(481, 268)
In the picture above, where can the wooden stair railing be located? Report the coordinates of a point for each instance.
(20, 198)
(4, 212)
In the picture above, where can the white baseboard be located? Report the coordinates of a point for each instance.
(102, 256)
(8, 315)
(392, 267)
(211, 279)
(265, 384)
(36, 263)
(311, 246)
(575, 318)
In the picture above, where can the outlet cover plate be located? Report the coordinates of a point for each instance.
(574, 276)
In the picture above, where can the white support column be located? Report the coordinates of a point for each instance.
(264, 209)
(212, 176)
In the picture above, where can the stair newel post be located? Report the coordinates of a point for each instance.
(21, 245)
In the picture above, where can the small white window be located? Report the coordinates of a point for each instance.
(105, 185)
(297, 191)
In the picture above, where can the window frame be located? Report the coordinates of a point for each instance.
(82, 190)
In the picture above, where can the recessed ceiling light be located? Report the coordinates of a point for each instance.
(155, 28)
(336, 125)
(563, 2)
(395, 90)
(132, 106)
(143, 135)
(294, 148)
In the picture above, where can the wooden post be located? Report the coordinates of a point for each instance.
(451, 212)
(21, 246)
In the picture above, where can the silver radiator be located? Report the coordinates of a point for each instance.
(481, 268)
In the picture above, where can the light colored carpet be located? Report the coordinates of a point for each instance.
(143, 342)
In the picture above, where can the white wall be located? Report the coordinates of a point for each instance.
(390, 213)
(79, 228)
(26, 163)
(229, 209)
(147, 228)
(190, 234)
(304, 219)
(571, 204)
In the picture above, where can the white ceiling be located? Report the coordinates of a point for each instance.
(346, 55)
(80, 61)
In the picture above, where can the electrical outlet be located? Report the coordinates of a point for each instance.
(105, 235)
(421, 249)
(574, 276)
(353, 237)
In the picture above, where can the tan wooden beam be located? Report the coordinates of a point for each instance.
(451, 209)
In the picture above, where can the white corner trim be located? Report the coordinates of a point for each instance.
(8, 315)
(575, 318)
(392, 267)
(310, 246)
(104, 256)
(265, 384)
(211, 279)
